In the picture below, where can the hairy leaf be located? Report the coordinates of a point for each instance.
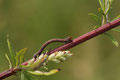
(95, 27)
(95, 17)
(12, 56)
(10, 64)
(111, 1)
(101, 4)
(107, 6)
(100, 11)
(40, 73)
(19, 56)
(116, 18)
(114, 41)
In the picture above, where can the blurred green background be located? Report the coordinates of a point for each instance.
(30, 23)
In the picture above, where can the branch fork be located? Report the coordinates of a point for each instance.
(70, 44)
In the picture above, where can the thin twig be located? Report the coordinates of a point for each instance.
(66, 40)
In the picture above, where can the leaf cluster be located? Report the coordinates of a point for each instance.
(103, 18)
(15, 60)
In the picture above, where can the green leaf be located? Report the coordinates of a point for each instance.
(10, 64)
(95, 27)
(40, 73)
(19, 56)
(117, 30)
(101, 4)
(29, 76)
(107, 6)
(111, 1)
(22, 76)
(114, 41)
(116, 17)
(95, 17)
(11, 52)
(100, 11)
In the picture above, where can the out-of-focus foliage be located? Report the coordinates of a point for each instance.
(30, 23)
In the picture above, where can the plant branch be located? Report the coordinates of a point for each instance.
(88, 35)
(75, 42)
(8, 73)
(66, 40)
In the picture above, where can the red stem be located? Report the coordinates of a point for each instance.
(88, 36)
(75, 42)
(8, 73)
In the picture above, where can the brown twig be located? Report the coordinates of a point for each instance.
(75, 42)
(66, 40)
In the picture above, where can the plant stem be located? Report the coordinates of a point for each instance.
(66, 40)
(88, 35)
(75, 42)
(8, 73)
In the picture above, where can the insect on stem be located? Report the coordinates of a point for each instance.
(66, 40)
